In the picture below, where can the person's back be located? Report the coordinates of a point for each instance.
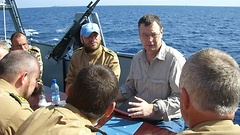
(56, 120)
(210, 92)
(92, 96)
(19, 71)
(92, 53)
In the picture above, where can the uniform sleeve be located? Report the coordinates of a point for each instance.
(170, 107)
(17, 114)
(20, 116)
(39, 56)
(35, 51)
(115, 65)
(71, 70)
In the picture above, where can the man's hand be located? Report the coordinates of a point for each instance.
(140, 109)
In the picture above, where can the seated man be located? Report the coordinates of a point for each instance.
(92, 96)
(19, 71)
(153, 79)
(92, 53)
(20, 42)
(210, 91)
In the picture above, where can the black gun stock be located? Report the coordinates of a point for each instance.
(61, 49)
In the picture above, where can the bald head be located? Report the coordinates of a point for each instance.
(19, 41)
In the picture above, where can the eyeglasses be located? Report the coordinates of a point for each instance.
(153, 35)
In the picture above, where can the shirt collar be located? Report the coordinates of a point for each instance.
(78, 113)
(210, 123)
(160, 55)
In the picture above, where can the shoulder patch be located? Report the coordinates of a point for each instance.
(78, 49)
(109, 51)
(18, 98)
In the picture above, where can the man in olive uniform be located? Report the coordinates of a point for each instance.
(20, 42)
(92, 53)
(18, 78)
(209, 93)
(81, 113)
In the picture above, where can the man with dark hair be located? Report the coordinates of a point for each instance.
(210, 93)
(92, 96)
(19, 71)
(153, 80)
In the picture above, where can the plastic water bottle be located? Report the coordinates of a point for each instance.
(55, 92)
(42, 100)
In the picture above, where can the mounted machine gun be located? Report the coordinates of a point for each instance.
(71, 37)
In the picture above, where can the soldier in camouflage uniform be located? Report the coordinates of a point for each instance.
(20, 42)
(35, 51)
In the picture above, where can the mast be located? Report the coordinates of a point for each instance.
(11, 6)
(4, 20)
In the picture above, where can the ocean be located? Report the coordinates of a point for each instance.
(186, 28)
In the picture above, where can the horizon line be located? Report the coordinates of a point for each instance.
(140, 5)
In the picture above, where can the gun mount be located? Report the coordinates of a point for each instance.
(72, 36)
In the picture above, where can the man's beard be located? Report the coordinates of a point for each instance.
(90, 49)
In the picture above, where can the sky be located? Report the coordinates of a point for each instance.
(49, 3)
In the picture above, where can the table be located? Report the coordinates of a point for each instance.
(144, 129)
(33, 100)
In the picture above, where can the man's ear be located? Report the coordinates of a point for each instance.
(81, 39)
(68, 89)
(110, 109)
(185, 98)
(23, 77)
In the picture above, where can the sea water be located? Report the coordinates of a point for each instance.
(186, 28)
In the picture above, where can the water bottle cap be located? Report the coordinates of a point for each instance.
(54, 80)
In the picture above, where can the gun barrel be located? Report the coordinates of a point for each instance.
(62, 48)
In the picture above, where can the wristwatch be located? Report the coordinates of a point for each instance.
(155, 107)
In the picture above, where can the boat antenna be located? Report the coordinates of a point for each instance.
(61, 49)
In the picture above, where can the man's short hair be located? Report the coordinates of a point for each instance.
(211, 78)
(94, 90)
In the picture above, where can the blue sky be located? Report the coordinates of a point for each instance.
(48, 3)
